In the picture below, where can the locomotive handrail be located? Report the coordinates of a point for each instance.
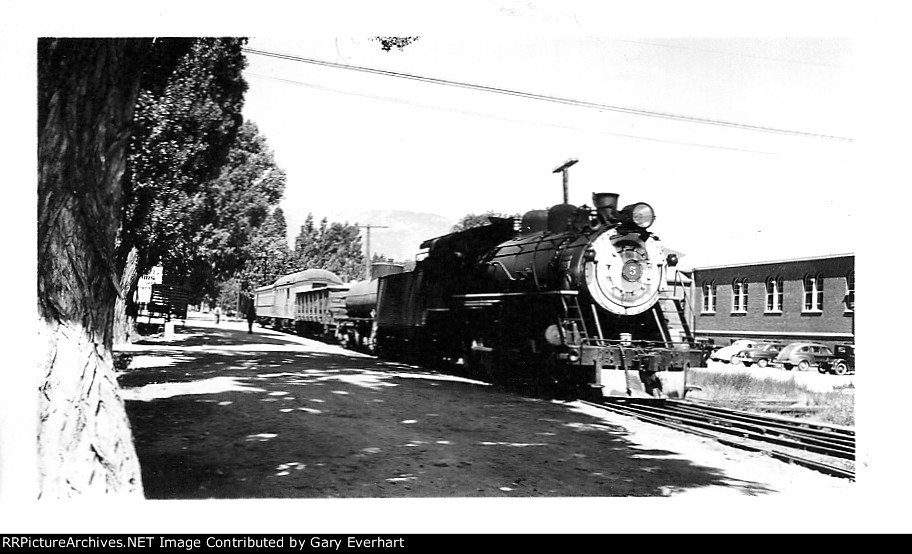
(678, 280)
(638, 343)
(496, 263)
(500, 294)
(685, 303)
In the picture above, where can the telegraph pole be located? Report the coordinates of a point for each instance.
(565, 169)
(369, 262)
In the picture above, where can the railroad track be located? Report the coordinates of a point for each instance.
(825, 448)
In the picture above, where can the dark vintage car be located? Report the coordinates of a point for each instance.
(841, 362)
(803, 355)
(762, 355)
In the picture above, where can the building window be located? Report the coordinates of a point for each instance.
(774, 288)
(813, 293)
(739, 296)
(709, 298)
(850, 291)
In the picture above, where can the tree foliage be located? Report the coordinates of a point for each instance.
(229, 295)
(388, 43)
(469, 221)
(335, 247)
(267, 255)
(231, 221)
(187, 118)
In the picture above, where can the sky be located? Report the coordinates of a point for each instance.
(760, 151)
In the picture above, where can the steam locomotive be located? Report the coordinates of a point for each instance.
(571, 296)
(568, 295)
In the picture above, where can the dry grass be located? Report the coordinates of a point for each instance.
(743, 391)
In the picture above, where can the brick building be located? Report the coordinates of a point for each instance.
(809, 299)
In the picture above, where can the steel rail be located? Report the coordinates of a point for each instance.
(836, 434)
(783, 456)
(766, 426)
(753, 431)
(834, 430)
(836, 446)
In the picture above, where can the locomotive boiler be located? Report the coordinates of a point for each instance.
(570, 295)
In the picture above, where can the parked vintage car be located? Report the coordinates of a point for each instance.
(729, 353)
(841, 362)
(761, 355)
(803, 355)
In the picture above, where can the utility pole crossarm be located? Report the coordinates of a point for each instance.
(565, 169)
(368, 244)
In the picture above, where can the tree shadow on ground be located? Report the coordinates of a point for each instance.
(189, 336)
(240, 421)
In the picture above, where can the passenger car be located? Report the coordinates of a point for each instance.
(729, 353)
(761, 355)
(803, 355)
(841, 362)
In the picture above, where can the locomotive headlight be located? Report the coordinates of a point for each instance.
(553, 335)
(639, 214)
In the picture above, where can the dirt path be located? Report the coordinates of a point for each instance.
(218, 413)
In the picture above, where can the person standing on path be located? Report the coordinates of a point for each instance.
(218, 314)
(251, 316)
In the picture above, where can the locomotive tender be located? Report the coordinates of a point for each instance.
(570, 296)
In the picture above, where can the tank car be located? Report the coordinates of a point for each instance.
(357, 328)
(570, 295)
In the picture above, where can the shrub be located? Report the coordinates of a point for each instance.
(743, 391)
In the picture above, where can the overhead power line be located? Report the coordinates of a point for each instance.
(501, 118)
(544, 97)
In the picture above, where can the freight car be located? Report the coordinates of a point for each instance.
(319, 311)
(570, 296)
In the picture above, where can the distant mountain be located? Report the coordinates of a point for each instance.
(397, 234)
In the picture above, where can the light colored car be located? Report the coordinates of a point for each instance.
(761, 355)
(729, 354)
(803, 355)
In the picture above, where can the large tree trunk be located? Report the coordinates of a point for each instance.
(86, 93)
(125, 307)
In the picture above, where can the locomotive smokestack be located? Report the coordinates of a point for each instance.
(606, 204)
